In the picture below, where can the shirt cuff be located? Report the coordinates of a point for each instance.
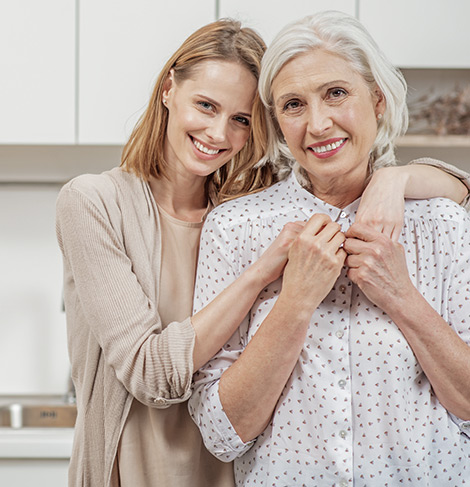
(464, 426)
(219, 435)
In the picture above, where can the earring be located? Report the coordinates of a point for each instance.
(379, 116)
(164, 101)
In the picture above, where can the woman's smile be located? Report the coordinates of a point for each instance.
(204, 149)
(328, 148)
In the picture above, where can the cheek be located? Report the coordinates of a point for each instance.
(292, 130)
(183, 118)
(239, 139)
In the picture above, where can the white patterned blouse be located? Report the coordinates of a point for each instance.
(357, 409)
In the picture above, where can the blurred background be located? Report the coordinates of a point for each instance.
(75, 77)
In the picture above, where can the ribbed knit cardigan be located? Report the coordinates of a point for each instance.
(109, 232)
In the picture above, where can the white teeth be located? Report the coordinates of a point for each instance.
(329, 147)
(204, 149)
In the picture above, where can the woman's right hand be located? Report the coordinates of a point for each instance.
(315, 260)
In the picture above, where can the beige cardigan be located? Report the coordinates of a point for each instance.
(109, 233)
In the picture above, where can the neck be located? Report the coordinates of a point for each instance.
(336, 198)
(182, 197)
(339, 191)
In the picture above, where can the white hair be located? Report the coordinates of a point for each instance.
(343, 35)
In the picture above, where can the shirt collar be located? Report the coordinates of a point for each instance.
(309, 204)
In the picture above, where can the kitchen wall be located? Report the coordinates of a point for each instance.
(32, 328)
(33, 348)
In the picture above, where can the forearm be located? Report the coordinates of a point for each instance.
(216, 322)
(423, 181)
(250, 388)
(444, 357)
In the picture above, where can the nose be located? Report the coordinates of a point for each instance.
(319, 119)
(217, 129)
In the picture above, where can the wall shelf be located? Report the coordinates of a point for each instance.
(434, 141)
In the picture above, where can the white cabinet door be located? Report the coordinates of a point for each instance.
(33, 472)
(268, 17)
(123, 46)
(37, 63)
(420, 33)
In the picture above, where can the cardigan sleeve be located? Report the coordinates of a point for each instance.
(453, 170)
(103, 294)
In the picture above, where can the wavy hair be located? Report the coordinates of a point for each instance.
(343, 35)
(224, 40)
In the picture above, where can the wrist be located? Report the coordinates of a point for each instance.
(400, 176)
(298, 309)
(254, 278)
(403, 305)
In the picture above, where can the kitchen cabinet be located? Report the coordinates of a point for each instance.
(37, 58)
(123, 46)
(417, 34)
(269, 17)
(35, 456)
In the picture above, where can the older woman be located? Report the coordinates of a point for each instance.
(352, 370)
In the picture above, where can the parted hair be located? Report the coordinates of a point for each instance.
(224, 40)
(343, 35)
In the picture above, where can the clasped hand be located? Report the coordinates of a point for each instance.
(319, 249)
(377, 264)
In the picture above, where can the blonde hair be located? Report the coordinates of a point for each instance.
(221, 40)
(344, 36)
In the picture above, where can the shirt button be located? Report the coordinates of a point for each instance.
(343, 214)
(342, 288)
(465, 425)
(342, 383)
(342, 434)
(343, 483)
(339, 334)
(159, 402)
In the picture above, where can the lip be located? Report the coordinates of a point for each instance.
(327, 154)
(203, 155)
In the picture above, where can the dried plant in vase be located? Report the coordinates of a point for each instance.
(447, 114)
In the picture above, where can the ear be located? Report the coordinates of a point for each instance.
(379, 101)
(168, 85)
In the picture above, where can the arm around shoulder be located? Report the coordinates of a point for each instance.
(449, 182)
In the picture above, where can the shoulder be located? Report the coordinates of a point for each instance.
(100, 190)
(438, 209)
(267, 203)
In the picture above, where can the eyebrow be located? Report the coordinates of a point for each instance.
(335, 82)
(217, 104)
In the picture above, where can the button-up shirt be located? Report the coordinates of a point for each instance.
(357, 408)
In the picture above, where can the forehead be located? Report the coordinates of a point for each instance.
(213, 71)
(313, 69)
(226, 82)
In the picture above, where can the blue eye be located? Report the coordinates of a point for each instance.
(205, 105)
(242, 120)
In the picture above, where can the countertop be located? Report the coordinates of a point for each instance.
(45, 442)
(36, 442)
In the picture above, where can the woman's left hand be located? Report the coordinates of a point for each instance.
(377, 265)
(382, 204)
